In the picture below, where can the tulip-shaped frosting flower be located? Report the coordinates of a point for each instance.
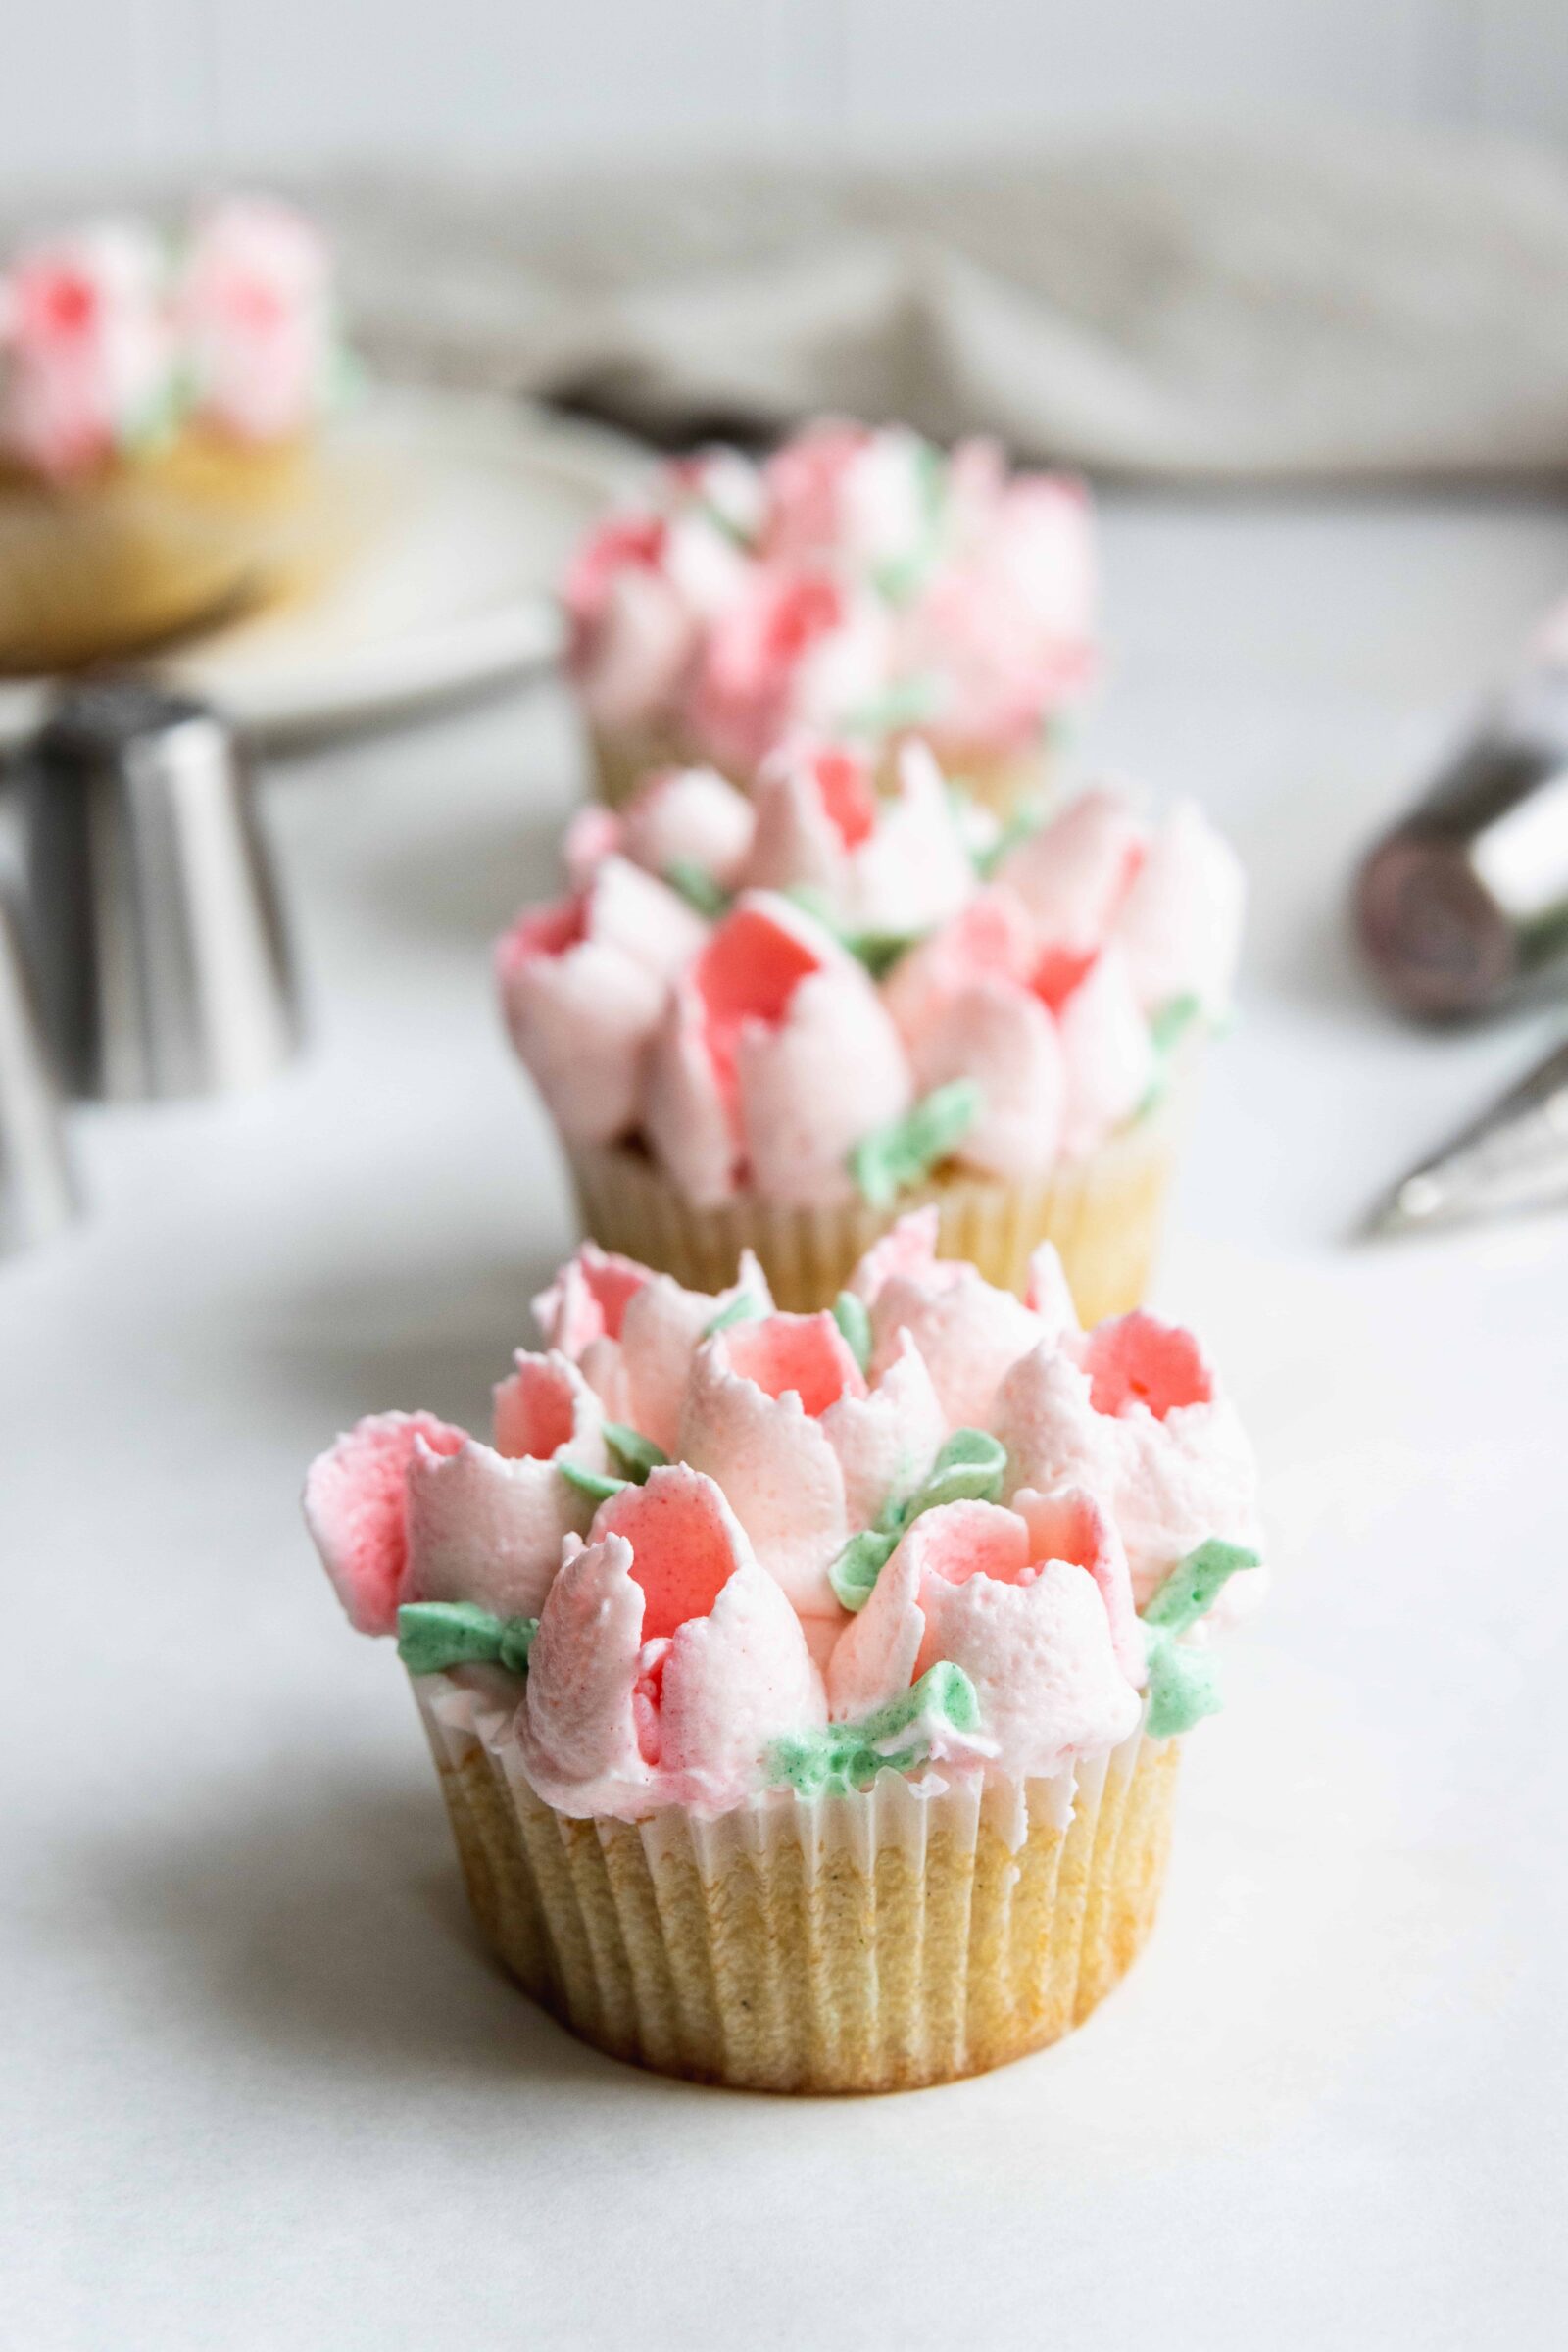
(633, 1334)
(667, 1661)
(798, 646)
(86, 349)
(583, 985)
(780, 1412)
(1051, 1033)
(1133, 1411)
(407, 1508)
(887, 868)
(970, 1334)
(684, 824)
(255, 311)
(1034, 1604)
(775, 1057)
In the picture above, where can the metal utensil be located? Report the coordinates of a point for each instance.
(1464, 904)
(160, 952)
(1513, 1157)
(38, 1197)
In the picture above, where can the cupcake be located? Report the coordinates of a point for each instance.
(157, 418)
(858, 583)
(818, 1729)
(775, 1023)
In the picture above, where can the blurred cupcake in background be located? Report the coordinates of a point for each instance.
(158, 414)
(808, 1691)
(774, 1024)
(859, 583)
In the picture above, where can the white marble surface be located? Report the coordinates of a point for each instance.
(261, 2088)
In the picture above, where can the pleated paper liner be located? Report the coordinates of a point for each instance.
(1104, 1213)
(164, 544)
(1003, 781)
(906, 1935)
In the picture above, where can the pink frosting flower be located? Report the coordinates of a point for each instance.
(680, 816)
(1052, 1034)
(799, 646)
(1180, 924)
(1006, 626)
(583, 984)
(845, 492)
(634, 1334)
(1034, 1604)
(631, 633)
(256, 309)
(1132, 1411)
(666, 1662)
(404, 1508)
(969, 1334)
(891, 865)
(84, 331)
(775, 1057)
(780, 1412)
(1073, 874)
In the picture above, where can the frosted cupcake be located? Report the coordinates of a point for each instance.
(859, 584)
(157, 415)
(774, 1023)
(817, 1729)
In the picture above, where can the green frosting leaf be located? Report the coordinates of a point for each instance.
(1172, 1021)
(1184, 1684)
(854, 1574)
(843, 1758)
(904, 704)
(968, 1469)
(433, 1635)
(590, 1483)
(635, 1453)
(697, 886)
(1195, 1583)
(742, 1309)
(849, 1313)
(888, 1161)
(879, 951)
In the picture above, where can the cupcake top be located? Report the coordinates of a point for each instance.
(826, 987)
(111, 340)
(858, 581)
(714, 1551)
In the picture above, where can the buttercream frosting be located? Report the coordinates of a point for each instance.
(858, 579)
(937, 1530)
(112, 337)
(833, 984)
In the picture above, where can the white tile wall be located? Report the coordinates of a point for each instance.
(109, 85)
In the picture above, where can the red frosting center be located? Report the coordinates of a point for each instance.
(1137, 1360)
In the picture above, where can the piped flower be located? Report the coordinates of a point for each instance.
(685, 824)
(970, 1333)
(634, 1333)
(87, 347)
(1034, 1606)
(666, 1663)
(780, 1414)
(801, 644)
(583, 985)
(774, 1058)
(1133, 1411)
(404, 1508)
(884, 867)
(255, 307)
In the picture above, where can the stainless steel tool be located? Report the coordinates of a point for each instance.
(37, 1196)
(160, 952)
(1513, 1157)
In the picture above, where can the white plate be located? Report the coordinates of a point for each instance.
(451, 595)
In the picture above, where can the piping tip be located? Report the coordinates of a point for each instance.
(1512, 1159)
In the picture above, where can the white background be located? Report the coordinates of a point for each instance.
(97, 86)
(263, 2091)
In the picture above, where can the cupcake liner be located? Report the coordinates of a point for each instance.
(908, 1934)
(159, 544)
(1104, 1214)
